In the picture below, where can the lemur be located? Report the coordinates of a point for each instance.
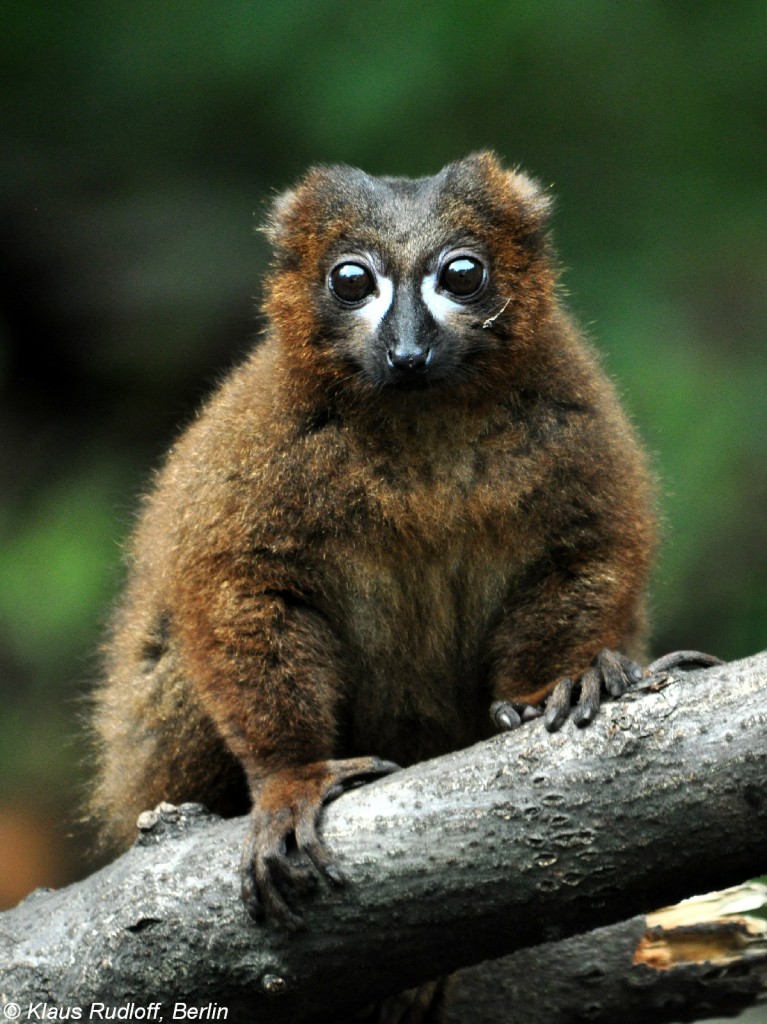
(414, 515)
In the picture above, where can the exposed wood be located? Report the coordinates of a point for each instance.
(681, 964)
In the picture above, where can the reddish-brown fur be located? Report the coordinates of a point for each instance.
(325, 570)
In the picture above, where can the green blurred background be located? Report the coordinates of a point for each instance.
(139, 144)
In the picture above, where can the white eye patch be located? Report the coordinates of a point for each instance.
(439, 305)
(376, 309)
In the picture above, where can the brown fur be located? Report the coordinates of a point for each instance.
(325, 569)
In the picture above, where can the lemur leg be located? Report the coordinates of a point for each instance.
(570, 629)
(270, 673)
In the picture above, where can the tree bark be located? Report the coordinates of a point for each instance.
(523, 839)
(655, 968)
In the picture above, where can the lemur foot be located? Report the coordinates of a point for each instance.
(283, 855)
(611, 672)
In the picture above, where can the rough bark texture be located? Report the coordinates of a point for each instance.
(526, 838)
(638, 971)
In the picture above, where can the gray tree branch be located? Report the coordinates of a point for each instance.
(523, 839)
(689, 962)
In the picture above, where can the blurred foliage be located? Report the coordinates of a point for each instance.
(139, 145)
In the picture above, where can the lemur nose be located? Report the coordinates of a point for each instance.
(408, 359)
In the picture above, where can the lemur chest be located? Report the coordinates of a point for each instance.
(417, 592)
(429, 538)
(420, 607)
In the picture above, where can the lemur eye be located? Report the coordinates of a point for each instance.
(351, 282)
(462, 276)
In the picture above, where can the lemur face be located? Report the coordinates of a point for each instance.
(408, 284)
(407, 319)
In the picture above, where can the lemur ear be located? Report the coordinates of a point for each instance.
(536, 200)
(281, 213)
(294, 213)
(298, 216)
(481, 176)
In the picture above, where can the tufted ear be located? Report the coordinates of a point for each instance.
(294, 211)
(483, 181)
(536, 201)
(318, 204)
(281, 213)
